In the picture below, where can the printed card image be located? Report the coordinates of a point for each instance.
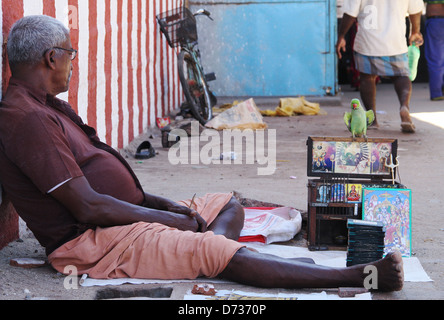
(354, 193)
(393, 208)
(380, 156)
(352, 157)
(324, 156)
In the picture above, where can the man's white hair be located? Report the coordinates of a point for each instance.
(31, 36)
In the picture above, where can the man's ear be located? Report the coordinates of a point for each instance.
(49, 58)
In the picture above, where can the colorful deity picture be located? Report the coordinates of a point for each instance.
(324, 156)
(354, 193)
(393, 208)
(379, 157)
(351, 158)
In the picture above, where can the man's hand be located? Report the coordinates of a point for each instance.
(346, 24)
(416, 35)
(417, 38)
(202, 224)
(164, 204)
(187, 223)
(340, 46)
(176, 208)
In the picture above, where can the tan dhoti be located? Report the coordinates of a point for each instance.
(151, 250)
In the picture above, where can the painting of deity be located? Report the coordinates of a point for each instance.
(392, 207)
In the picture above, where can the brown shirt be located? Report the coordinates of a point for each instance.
(41, 147)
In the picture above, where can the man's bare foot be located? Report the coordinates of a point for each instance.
(390, 272)
(406, 122)
(374, 125)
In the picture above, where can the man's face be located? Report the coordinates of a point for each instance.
(63, 67)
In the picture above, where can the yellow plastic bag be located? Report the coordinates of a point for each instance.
(294, 106)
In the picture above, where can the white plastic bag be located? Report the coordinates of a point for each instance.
(244, 115)
(274, 225)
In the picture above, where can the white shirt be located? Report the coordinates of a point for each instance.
(381, 24)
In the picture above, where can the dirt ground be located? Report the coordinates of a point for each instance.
(419, 170)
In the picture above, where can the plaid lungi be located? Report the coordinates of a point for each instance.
(383, 66)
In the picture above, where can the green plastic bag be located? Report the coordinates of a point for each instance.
(414, 54)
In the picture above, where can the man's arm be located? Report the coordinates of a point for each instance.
(346, 24)
(416, 35)
(90, 207)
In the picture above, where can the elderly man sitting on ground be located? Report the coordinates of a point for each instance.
(87, 208)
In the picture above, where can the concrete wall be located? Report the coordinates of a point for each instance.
(125, 74)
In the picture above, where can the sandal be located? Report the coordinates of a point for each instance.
(408, 127)
(145, 151)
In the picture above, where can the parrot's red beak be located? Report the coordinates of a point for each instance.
(355, 105)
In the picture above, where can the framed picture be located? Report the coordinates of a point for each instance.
(393, 207)
(345, 157)
(354, 193)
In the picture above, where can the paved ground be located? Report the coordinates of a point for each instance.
(420, 170)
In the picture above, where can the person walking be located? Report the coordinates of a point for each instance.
(380, 48)
(434, 48)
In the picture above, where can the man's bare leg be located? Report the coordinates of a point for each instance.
(230, 220)
(403, 88)
(268, 271)
(368, 93)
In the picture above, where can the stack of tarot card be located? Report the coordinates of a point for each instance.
(365, 241)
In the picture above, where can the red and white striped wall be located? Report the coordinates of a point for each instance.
(125, 74)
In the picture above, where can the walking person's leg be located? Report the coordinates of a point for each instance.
(367, 90)
(403, 88)
(434, 54)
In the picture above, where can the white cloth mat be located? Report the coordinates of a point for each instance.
(413, 270)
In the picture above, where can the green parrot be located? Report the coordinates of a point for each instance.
(358, 119)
